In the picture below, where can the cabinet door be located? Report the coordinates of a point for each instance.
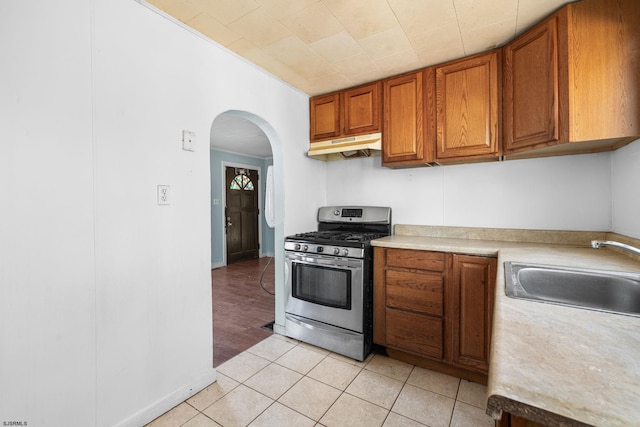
(404, 140)
(509, 420)
(325, 117)
(604, 70)
(379, 296)
(471, 308)
(362, 109)
(531, 88)
(467, 108)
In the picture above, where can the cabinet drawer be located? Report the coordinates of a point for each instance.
(416, 291)
(415, 333)
(424, 260)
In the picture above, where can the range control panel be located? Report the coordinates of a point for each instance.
(313, 248)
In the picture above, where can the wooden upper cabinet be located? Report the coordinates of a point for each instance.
(531, 99)
(571, 78)
(349, 112)
(468, 107)
(362, 109)
(406, 140)
(325, 116)
(574, 78)
(604, 69)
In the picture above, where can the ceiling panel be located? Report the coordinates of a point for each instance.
(260, 28)
(313, 23)
(319, 46)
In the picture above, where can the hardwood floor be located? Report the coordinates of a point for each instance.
(241, 307)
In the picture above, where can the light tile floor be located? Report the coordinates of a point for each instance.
(282, 382)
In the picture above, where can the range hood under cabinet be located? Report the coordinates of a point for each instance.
(347, 148)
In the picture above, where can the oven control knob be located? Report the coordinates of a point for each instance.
(297, 247)
(345, 252)
(305, 248)
(319, 249)
(336, 251)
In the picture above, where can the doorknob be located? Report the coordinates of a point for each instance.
(229, 224)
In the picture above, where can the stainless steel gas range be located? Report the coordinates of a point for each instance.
(329, 279)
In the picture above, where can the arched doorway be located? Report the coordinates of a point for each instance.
(242, 141)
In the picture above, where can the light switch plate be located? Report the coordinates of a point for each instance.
(188, 140)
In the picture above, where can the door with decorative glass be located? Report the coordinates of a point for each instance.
(241, 214)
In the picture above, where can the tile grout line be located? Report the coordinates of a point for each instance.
(274, 362)
(341, 391)
(361, 368)
(455, 402)
(400, 392)
(293, 385)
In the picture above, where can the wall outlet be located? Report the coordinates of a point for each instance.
(188, 140)
(164, 194)
(216, 201)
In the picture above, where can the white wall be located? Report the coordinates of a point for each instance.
(105, 314)
(105, 297)
(555, 193)
(626, 190)
(153, 319)
(47, 263)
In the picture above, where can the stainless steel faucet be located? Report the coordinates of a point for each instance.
(597, 244)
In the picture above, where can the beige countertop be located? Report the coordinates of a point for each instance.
(550, 363)
(457, 245)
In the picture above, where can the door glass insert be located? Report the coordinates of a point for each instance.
(241, 181)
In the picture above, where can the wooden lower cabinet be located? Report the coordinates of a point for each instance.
(415, 333)
(434, 309)
(415, 291)
(509, 420)
(472, 294)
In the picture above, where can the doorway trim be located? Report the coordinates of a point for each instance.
(225, 164)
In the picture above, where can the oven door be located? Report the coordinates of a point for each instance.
(325, 289)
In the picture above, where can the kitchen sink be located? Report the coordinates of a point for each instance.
(602, 290)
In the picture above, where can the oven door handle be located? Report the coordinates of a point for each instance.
(350, 264)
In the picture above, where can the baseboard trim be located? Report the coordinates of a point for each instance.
(163, 405)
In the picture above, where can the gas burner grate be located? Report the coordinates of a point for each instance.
(339, 236)
(358, 237)
(319, 235)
